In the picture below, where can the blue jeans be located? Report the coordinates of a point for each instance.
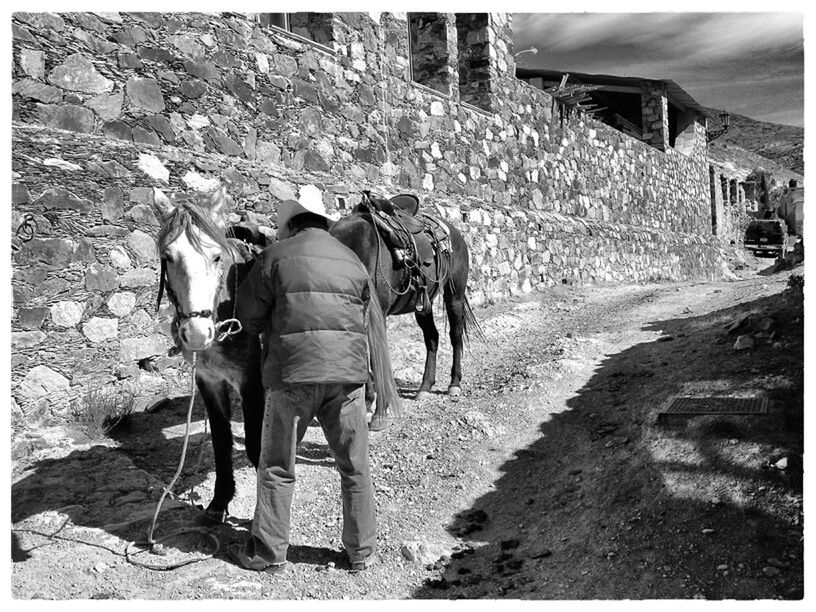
(341, 411)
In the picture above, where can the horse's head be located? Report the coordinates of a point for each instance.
(192, 242)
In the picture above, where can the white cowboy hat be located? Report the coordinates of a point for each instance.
(310, 202)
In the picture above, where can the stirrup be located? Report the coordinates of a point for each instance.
(423, 304)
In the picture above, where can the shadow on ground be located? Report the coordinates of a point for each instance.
(116, 489)
(608, 505)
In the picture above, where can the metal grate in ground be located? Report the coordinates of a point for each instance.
(687, 407)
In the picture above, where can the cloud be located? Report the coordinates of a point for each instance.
(722, 59)
(688, 36)
(721, 36)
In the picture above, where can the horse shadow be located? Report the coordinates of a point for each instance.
(114, 486)
(593, 509)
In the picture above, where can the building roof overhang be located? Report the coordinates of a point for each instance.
(607, 82)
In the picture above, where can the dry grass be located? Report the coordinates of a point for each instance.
(101, 409)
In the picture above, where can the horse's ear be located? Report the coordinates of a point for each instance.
(219, 206)
(161, 203)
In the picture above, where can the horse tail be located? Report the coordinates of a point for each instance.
(469, 322)
(386, 388)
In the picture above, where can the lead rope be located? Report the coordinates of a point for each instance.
(229, 322)
(155, 546)
(233, 326)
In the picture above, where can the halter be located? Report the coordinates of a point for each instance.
(204, 314)
(180, 314)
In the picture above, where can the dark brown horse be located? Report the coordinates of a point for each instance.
(448, 274)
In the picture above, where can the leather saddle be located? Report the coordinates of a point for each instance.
(249, 233)
(407, 203)
(417, 241)
(402, 216)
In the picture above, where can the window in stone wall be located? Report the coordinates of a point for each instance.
(316, 27)
(620, 108)
(473, 47)
(672, 124)
(682, 131)
(712, 186)
(428, 41)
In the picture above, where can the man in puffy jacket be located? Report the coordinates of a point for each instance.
(307, 295)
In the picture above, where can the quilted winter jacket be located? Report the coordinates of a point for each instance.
(307, 294)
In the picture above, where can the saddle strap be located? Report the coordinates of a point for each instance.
(392, 231)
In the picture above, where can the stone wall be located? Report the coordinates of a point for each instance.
(733, 205)
(110, 108)
(655, 112)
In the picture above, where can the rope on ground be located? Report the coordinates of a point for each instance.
(155, 546)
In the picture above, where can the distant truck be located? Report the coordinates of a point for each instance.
(763, 236)
(792, 208)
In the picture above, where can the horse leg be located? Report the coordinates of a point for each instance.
(455, 305)
(379, 417)
(216, 399)
(431, 335)
(370, 396)
(253, 404)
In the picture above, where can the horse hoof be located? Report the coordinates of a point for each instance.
(215, 517)
(455, 392)
(378, 422)
(422, 396)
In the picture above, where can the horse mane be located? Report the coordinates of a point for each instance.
(188, 215)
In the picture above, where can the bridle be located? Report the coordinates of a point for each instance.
(233, 325)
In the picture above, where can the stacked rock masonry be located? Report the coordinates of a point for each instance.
(112, 110)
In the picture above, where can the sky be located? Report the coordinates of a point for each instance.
(744, 62)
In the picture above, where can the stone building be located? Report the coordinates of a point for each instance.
(657, 112)
(109, 109)
(661, 114)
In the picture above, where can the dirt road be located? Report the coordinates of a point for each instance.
(548, 479)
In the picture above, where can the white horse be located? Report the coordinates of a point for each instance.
(201, 268)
